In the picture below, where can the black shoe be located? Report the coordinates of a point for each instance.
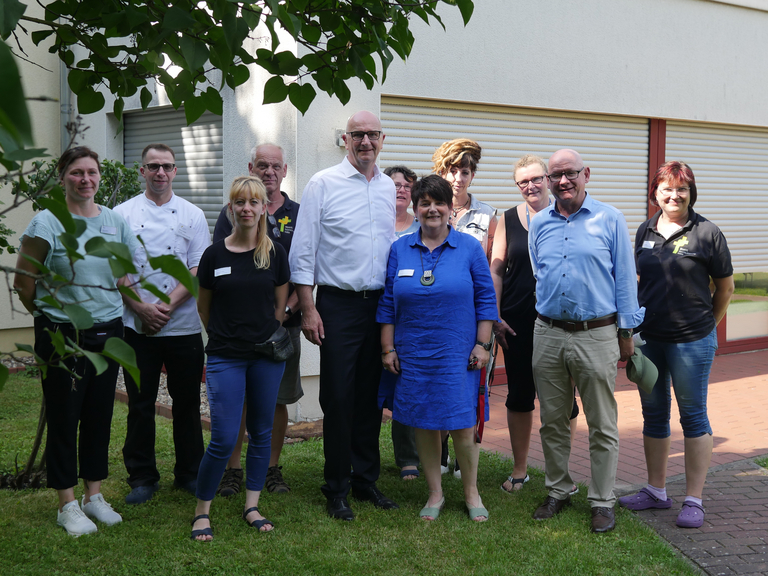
(231, 482)
(373, 494)
(186, 485)
(141, 494)
(603, 519)
(339, 508)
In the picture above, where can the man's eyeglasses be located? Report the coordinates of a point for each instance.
(523, 184)
(155, 167)
(273, 223)
(373, 135)
(682, 191)
(569, 174)
(406, 187)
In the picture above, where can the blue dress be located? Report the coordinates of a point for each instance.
(436, 328)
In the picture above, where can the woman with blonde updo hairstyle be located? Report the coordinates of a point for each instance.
(456, 161)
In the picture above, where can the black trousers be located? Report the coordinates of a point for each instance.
(183, 358)
(350, 370)
(85, 401)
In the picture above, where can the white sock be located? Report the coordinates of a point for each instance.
(660, 493)
(693, 499)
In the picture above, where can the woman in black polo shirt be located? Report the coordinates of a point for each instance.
(677, 252)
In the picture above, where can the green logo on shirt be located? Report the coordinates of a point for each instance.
(679, 244)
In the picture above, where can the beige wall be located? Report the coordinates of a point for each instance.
(40, 79)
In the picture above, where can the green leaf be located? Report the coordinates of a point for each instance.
(98, 361)
(14, 117)
(52, 302)
(10, 12)
(71, 245)
(4, 373)
(275, 90)
(213, 100)
(97, 246)
(126, 291)
(22, 154)
(26, 348)
(80, 317)
(117, 108)
(311, 33)
(40, 35)
(149, 287)
(90, 101)
(59, 209)
(123, 354)
(117, 268)
(466, 7)
(176, 268)
(341, 90)
(194, 51)
(239, 75)
(78, 80)
(301, 96)
(146, 98)
(194, 107)
(178, 20)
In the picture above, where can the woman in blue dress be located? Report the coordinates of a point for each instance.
(437, 363)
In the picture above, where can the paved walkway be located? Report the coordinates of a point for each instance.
(734, 538)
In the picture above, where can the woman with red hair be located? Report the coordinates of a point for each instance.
(677, 253)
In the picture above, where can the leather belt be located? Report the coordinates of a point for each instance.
(365, 294)
(575, 326)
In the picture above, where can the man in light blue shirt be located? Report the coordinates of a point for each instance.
(586, 291)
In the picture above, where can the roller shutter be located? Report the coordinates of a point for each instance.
(198, 148)
(614, 147)
(731, 168)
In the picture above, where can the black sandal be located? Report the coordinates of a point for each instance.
(257, 523)
(208, 531)
(515, 481)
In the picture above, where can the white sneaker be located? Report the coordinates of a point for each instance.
(99, 509)
(445, 469)
(72, 519)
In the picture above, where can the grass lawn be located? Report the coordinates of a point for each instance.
(154, 538)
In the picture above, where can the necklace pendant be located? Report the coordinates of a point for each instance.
(427, 279)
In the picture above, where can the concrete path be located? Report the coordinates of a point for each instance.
(734, 538)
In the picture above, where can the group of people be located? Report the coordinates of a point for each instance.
(407, 311)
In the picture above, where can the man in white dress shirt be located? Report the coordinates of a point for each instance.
(160, 333)
(341, 244)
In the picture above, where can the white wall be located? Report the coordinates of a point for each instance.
(39, 79)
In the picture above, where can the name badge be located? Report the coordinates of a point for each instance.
(222, 271)
(111, 230)
(648, 244)
(184, 231)
(405, 272)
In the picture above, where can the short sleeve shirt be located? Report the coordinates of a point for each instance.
(96, 288)
(243, 301)
(674, 277)
(177, 227)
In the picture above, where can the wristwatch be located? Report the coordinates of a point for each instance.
(288, 311)
(485, 345)
(624, 333)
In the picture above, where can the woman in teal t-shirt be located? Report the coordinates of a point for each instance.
(76, 397)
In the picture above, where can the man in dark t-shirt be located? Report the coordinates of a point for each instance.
(267, 163)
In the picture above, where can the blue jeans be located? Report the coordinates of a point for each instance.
(687, 365)
(229, 382)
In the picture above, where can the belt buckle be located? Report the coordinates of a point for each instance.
(570, 326)
(365, 294)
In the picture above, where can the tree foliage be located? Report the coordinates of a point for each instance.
(128, 42)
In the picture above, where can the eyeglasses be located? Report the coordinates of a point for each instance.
(155, 167)
(273, 223)
(682, 191)
(406, 187)
(523, 184)
(373, 135)
(569, 174)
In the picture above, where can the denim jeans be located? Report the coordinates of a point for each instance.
(230, 382)
(687, 365)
